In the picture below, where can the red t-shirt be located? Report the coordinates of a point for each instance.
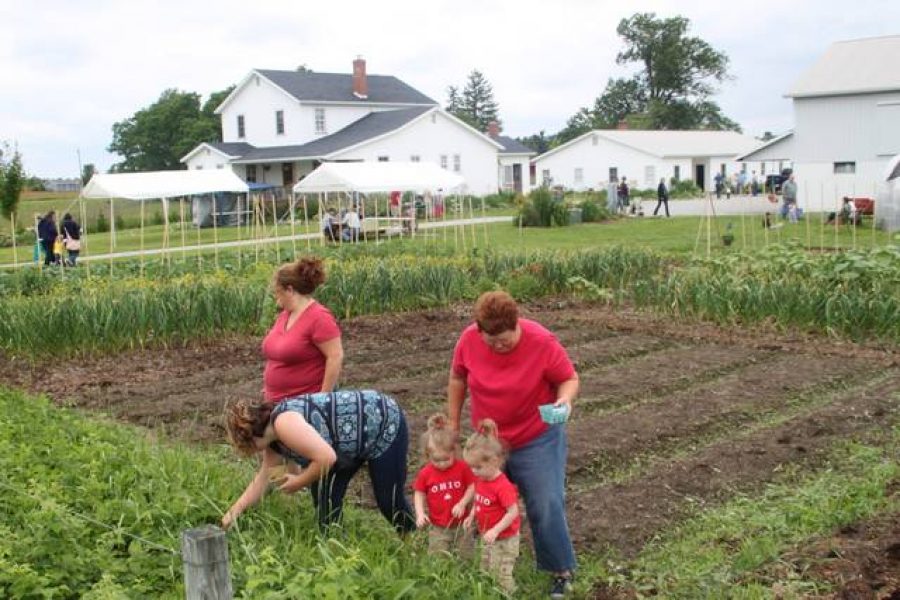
(509, 388)
(492, 498)
(443, 490)
(294, 364)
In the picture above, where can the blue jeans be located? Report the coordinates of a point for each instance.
(539, 470)
(388, 476)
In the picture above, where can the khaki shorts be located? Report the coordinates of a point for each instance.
(453, 540)
(499, 559)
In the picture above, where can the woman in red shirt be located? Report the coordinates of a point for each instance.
(511, 367)
(303, 349)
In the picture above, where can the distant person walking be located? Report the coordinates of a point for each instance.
(789, 193)
(662, 197)
(71, 233)
(47, 234)
(622, 195)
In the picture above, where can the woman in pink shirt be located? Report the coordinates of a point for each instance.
(303, 349)
(511, 367)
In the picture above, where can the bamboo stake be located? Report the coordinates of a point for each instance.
(82, 212)
(306, 223)
(836, 220)
(112, 236)
(822, 220)
(807, 217)
(322, 212)
(275, 231)
(142, 238)
(484, 222)
(239, 247)
(12, 225)
(165, 206)
(199, 252)
(854, 219)
(293, 229)
(183, 232)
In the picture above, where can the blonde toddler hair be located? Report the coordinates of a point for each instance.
(438, 436)
(485, 444)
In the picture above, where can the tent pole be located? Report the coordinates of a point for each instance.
(376, 219)
(293, 228)
(12, 226)
(215, 232)
(275, 230)
(142, 238)
(306, 223)
(322, 217)
(199, 252)
(239, 246)
(165, 205)
(183, 242)
(474, 226)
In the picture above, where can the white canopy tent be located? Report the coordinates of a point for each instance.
(887, 206)
(368, 177)
(163, 184)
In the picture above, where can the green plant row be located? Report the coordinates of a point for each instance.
(63, 475)
(854, 294)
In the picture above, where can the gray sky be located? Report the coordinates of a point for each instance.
(69, 70)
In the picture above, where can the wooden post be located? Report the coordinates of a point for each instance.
(204, 551)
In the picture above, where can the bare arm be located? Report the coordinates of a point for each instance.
(490, 536)
(294, 432)
(421, 514)
(254, 491)
(334, 360)
(456, 395)
(567, 392)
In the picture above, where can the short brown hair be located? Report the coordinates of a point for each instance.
(496, 312)
(303, 276)
(244, 420)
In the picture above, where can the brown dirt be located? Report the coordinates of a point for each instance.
(684, 401)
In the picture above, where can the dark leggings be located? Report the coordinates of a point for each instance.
(388, 475)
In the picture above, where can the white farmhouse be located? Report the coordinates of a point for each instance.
(644, 157)
(846, 122)
(277, 126)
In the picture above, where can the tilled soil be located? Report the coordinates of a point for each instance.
(672, 416)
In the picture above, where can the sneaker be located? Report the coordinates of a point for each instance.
(561, 586)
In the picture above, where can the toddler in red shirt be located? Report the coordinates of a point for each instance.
(496, 511)
(443, 490)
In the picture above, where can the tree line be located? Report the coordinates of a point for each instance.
(672, 89)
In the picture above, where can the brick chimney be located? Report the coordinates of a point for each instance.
(622, 125)
(493, 129)
(360, 84)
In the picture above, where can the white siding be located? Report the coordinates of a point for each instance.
(506, 163)
(430, 140)
(844, 128)
(258, 102)
(207, 159)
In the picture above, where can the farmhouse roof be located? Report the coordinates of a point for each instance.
(371, 126)
(853, 67)
(511, 146)
(338, 87)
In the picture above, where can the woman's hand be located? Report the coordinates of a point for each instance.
(290, 483)
(229, 518)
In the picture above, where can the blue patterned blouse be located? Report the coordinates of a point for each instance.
(359, 424)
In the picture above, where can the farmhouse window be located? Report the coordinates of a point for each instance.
(415, 158)
(240, 125)
(443, 161)
(649, 175)
(545, 177)
(507, 177)
(844, 168)
(579, 175)
(457, 163)
(614, 173)
(384, 158)
(279, 122)
(676, 173)
(251, 173)
(320, 120)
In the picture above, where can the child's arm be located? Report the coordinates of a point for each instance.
(511, 513)
(459, 509)
(421, 516)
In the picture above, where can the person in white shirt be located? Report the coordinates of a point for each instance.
(353, 224)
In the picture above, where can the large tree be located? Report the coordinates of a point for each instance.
(156, 137)
(475, 105)
(673, 88)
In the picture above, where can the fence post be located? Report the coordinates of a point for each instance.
(204, 551)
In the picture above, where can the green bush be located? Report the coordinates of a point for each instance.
(684, 188)
(102, 224)
(542, 209)
(592, 211)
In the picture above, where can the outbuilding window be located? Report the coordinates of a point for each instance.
(457, 163)
(844, 168)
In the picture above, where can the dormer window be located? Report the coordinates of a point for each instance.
(320, 120)
(279, 122)
(240, 126)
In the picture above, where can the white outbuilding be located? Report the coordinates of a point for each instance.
(644, 157)
(846, 122)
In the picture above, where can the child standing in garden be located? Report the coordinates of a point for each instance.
(443, 490)
(496, 511)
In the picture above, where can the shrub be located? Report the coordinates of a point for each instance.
(102, 224)
(592, 211)
(685, 188)
(541, 209)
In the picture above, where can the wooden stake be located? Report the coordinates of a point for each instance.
(204, 551)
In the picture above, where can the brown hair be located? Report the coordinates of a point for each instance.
(245, 420)
(439, 435)
(496, 312)
(485, 444)
(303, 276)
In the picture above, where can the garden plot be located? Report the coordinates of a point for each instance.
(672, 417)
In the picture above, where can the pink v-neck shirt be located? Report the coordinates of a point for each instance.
(294, 363)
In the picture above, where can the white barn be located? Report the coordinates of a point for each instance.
(846, 122)
(644, 157)
(277, 126)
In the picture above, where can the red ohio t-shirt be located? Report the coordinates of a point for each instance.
(294, 364)
(492, 499)
(509, 388)
(443, 490)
